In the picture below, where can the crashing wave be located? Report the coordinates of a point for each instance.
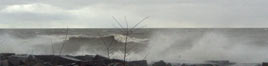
(122, 38)
(98, 44)
(118, 37)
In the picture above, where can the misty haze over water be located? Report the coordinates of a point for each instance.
(247, 45)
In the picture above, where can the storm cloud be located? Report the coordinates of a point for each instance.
(163, 13)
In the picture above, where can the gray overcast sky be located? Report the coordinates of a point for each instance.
(163, 13)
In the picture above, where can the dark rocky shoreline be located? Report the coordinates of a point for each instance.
(12, 59)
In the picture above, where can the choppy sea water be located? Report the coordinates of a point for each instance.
(171, 44)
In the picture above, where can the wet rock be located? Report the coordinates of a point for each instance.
(265, 64)
(138, 63)
(160, 63)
